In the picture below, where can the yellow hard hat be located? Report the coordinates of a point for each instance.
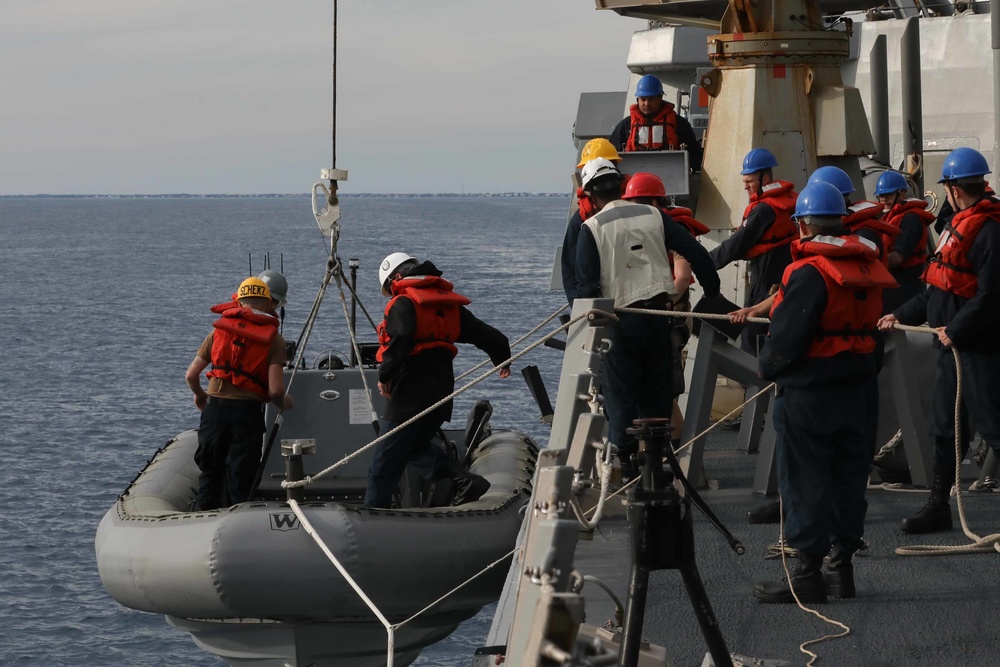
(596, 148)
(253, 287)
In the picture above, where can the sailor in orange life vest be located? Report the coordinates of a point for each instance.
(653, 125)
(820, 350)
(247, 355)
(622, 254)
(907, 250)
(593, 150)
(863, 218)
(424, 318)
(963, 303)
(646, 188)
(762, 238)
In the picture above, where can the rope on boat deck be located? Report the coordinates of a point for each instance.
(590, 314)
(390, 628)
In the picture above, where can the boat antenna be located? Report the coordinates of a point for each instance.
(250, 262)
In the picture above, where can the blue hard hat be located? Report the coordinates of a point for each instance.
(649, 86)
(835, 176)
(963, 163)
(757, 160)
(889, 182)
(820, 199)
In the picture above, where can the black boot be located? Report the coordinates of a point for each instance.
(935, 516)
(839, 575)
(469, 487)
(769, 513)
(807, 580)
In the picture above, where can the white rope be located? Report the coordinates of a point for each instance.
(590, 314)
(516, 342)
(979, 544)
(348, 578)
(690, 442)
(598, 509)
(459, 587)
(390, 628)
(788, 575)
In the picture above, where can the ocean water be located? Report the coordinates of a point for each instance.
(107, 303)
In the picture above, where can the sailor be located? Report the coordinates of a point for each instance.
(820, 350)
(962, 303)
(247, 354)
(653, 125)
(646, 188)
(762, 238)
(864, 219)
(622, 254)
(907, 251)
(424, 318)
(594, 149)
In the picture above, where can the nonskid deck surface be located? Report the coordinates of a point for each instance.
(937, 611)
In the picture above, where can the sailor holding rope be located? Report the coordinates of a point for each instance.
(963, 304)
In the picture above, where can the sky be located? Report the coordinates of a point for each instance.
(234, 96)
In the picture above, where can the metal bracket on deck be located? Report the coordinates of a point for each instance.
(714, 356)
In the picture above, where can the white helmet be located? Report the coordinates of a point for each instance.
(389, 266)
(596, 168)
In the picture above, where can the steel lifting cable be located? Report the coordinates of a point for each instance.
(354, 346)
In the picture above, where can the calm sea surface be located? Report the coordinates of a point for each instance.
(107, 303)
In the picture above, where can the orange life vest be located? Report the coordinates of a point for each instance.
(854, 279)
(895, 218)
(437, 311)
(949, 268)
(685, 217)
(780, 196)
(658, 133)
(241, 347)
(868, 215)
(586, 206)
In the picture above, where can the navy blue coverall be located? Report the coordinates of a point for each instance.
(821, 422)
(973, 325)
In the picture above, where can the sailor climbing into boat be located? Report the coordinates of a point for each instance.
(820, 350)
(424, 318)
(907, 249)
(247, 355)
(963, 303)
(654, 125)
(622, 254)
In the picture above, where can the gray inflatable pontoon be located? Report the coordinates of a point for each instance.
(252, 586)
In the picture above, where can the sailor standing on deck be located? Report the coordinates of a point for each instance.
(654, 125)
(622, 254)
(247, 355)
(762, 238)
(424, 318)
(963, 303)
(907, 249)
(820, 349)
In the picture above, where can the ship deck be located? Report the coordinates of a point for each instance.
(938, 610)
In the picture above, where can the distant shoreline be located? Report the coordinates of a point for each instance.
(291, 196)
